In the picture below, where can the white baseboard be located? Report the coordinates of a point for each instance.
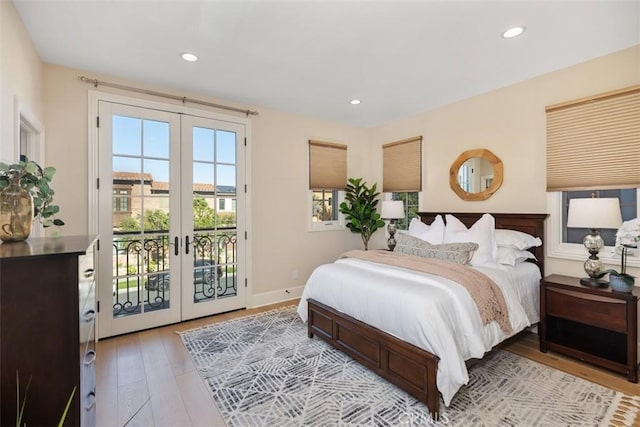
(272, 297)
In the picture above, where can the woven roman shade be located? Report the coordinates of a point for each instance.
(402, 165)
(327, 166)
(594, 143)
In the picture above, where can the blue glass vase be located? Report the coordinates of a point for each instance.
(619, 285)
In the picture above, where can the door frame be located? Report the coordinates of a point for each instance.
(94, 96)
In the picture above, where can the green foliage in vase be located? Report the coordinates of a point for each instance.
(37, 181)
(627, 278)
(360, 209)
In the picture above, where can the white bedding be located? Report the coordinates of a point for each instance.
(429, 311)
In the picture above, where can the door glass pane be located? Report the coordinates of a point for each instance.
(126, 168)
(226, 176)
(214, 169)
(203, 146)
(156, 139)
(226, 147)
(126, 133)
(203, 174)
(140, 212)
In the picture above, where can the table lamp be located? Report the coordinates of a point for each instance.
(594, 213)
(392, 210)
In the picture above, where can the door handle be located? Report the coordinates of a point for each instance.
(176, 248)
(186, 244)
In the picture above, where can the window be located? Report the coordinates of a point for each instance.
(402, 175)
(402, 165)
(327, 177)
(324, 208)
(221, 204)
(121, 200)
(410, 199)
(628, 206)
(594, 142)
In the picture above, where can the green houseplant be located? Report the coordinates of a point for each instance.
(25, 195)
(360, 209)
(621, 281)
(20, 405)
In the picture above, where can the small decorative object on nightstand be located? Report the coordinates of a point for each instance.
(621, 282)
(392, 210)
(599, 326)
(594, 213)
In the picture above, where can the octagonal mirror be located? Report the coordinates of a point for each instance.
(476, 174)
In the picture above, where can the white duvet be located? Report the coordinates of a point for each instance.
(429, 311)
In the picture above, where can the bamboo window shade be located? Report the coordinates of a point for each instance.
(402, 165)
(594, 143)
(327, 166)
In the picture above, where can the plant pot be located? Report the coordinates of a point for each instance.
(619, 285)
(16, 213)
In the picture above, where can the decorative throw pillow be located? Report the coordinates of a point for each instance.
(511, 256)
(482, 233)
(516, 239)
(459, 253)
(433, 233)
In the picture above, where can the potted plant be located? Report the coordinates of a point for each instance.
(360, 209)
(25, 195)
(621, 281)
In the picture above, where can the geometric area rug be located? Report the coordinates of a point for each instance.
(263, 370)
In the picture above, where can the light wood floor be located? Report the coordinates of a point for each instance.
(149, 376)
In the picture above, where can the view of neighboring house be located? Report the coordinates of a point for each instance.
(133, 190)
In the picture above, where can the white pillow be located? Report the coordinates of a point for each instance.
(433, 233)
(511, 256)
(482, 233)
(516, 239)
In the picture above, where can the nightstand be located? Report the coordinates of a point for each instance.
(599, 326)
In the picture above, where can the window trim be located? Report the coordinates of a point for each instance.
(575, 251)
(333, 225)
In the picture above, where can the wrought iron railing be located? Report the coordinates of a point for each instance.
(141, 277)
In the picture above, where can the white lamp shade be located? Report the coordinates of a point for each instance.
(594, 213)
(392, 209)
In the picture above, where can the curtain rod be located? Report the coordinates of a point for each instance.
(184, 99)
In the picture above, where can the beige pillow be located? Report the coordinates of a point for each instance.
(459, 253)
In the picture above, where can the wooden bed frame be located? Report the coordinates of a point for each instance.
(405, 365)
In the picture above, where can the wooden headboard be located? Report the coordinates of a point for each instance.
(528, 223)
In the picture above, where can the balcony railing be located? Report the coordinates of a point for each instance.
(142, 281)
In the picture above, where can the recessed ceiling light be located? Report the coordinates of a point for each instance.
(189, 57)
(354, 102)
(513, 32)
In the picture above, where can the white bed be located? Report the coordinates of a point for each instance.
(428, 311)
(416, 329)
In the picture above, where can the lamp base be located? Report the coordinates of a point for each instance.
(593, 283)
(391, 228)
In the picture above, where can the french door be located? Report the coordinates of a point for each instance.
(169, 215)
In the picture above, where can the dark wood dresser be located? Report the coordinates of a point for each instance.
(47, 313)
(597, 325)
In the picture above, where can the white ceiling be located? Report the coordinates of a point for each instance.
(311, 57)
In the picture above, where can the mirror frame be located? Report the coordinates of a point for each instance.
(497, 174)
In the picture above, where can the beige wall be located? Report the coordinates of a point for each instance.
(21, 81)
(282, 245)
(511, 123)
